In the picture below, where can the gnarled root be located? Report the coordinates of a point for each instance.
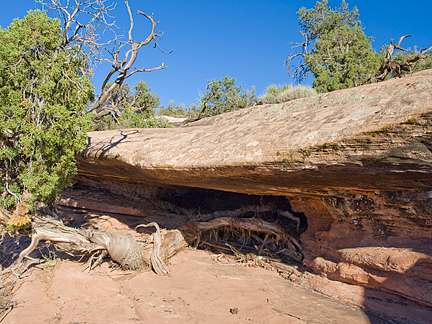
(121, 247)
(157, 263)
(291, 248)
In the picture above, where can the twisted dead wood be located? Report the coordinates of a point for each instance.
(387, 65)
(121, 247)
(158, 264)
(193, 230)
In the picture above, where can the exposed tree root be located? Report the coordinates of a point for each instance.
(274, 235)
(121, 247)
(247, 239)
(264, 228)
(249, 224)
(257, 210)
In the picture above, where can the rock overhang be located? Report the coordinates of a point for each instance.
(354, 164)
(362, 136)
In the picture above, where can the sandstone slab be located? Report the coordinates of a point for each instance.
(355, 165)
(370, 137)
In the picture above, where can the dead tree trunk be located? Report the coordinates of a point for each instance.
(387, 66)
(123, 67)
(83, 22)
(120, 247)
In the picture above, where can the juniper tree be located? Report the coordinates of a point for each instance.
(335, 50)
(224, 96)
(45, 93)
(43, 98)
(131, 107)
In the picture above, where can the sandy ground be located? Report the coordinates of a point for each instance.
(197, 290)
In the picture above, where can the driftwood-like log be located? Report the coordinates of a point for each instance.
(172, 242)
(121, 247)
(157, 263)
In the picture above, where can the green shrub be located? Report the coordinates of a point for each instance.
(224, 96)
(132, 108)
(180, 111)
(335, 49)
(284, 93)
(43, 97)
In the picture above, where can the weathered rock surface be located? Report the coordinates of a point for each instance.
(357, 163)
(338, 139)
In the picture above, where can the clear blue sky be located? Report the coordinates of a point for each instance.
(248, 40)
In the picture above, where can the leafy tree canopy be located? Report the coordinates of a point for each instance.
(146, 102)
(131, 107)
(43, 97)
(224, 96)
(318, 21)
(138, 98)
(342, 58)
(181, 111)
(341, 54)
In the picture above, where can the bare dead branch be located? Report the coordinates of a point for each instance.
(425, 51)
(123, 67)
(146, 70)
(397, 46)
(81, 21)
(301, 71)
(387, 66)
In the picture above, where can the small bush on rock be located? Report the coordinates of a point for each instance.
(284, 93)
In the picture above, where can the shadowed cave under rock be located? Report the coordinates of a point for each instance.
(206, 205)
(220, 221)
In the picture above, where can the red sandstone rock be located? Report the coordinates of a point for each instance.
(356, 162)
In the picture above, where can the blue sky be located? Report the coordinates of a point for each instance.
(248, 40)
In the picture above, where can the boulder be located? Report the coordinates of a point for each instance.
(356, 163)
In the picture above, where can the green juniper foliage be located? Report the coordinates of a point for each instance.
(341, 54)
(342, 58)
(131, 108)
(318, 21)
(224, 96)
(146, 102)
(175, 110)
(43, 96)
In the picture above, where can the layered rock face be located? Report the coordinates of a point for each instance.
(356, 162)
